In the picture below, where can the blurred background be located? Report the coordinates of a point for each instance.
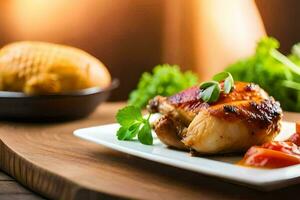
(132, 36)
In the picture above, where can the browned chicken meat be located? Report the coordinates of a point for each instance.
(245, 117)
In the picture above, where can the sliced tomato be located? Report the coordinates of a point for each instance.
(268, 158)
(284, 147)
(275, 154)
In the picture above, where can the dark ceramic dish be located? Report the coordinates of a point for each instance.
(58, 107)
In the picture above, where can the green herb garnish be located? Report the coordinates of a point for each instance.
(278, 74)
(210, 90)
(133, 124)
(228, 80)
(165, 80)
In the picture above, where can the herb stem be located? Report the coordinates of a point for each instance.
(284, 60)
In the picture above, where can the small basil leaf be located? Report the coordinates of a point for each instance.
(228, 84)
(211, 94)
(206, 94)
(221, 76)
(215, 94)
(207, 84)
(145, 135)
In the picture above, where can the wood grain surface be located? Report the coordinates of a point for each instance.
(49, 160)
(10, 189)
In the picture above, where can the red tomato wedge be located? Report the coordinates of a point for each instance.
(274, 154)
(269, 158)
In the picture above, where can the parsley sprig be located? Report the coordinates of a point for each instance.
(133, 124)
(210, 90)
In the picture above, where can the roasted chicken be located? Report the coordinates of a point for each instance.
(246, 116)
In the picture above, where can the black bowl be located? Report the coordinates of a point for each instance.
(56, 107)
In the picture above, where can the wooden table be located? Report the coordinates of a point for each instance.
(10, 189)
(48, 159)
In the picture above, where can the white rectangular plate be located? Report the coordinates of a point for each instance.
(221, 166)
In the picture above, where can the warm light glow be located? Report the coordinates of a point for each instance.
(35, 18)
(207, 35)
(226, 31)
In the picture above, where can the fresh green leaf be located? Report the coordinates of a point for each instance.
(145, 135)
(133, 130)
(221, 76)
(128, 133)
(228, 84)
(207, 84)
(207, 93)
(129, 115)
(228, 80)
(210, 90)
(122, 133)
(133, 124)
(164, 80)
(278, 74)
(211, 94)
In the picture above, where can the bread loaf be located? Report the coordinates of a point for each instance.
(45, 68)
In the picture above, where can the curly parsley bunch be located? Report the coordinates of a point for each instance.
(165, 80)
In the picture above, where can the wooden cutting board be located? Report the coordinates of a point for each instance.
(49, 160)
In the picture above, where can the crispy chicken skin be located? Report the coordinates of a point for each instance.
(246, 116)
